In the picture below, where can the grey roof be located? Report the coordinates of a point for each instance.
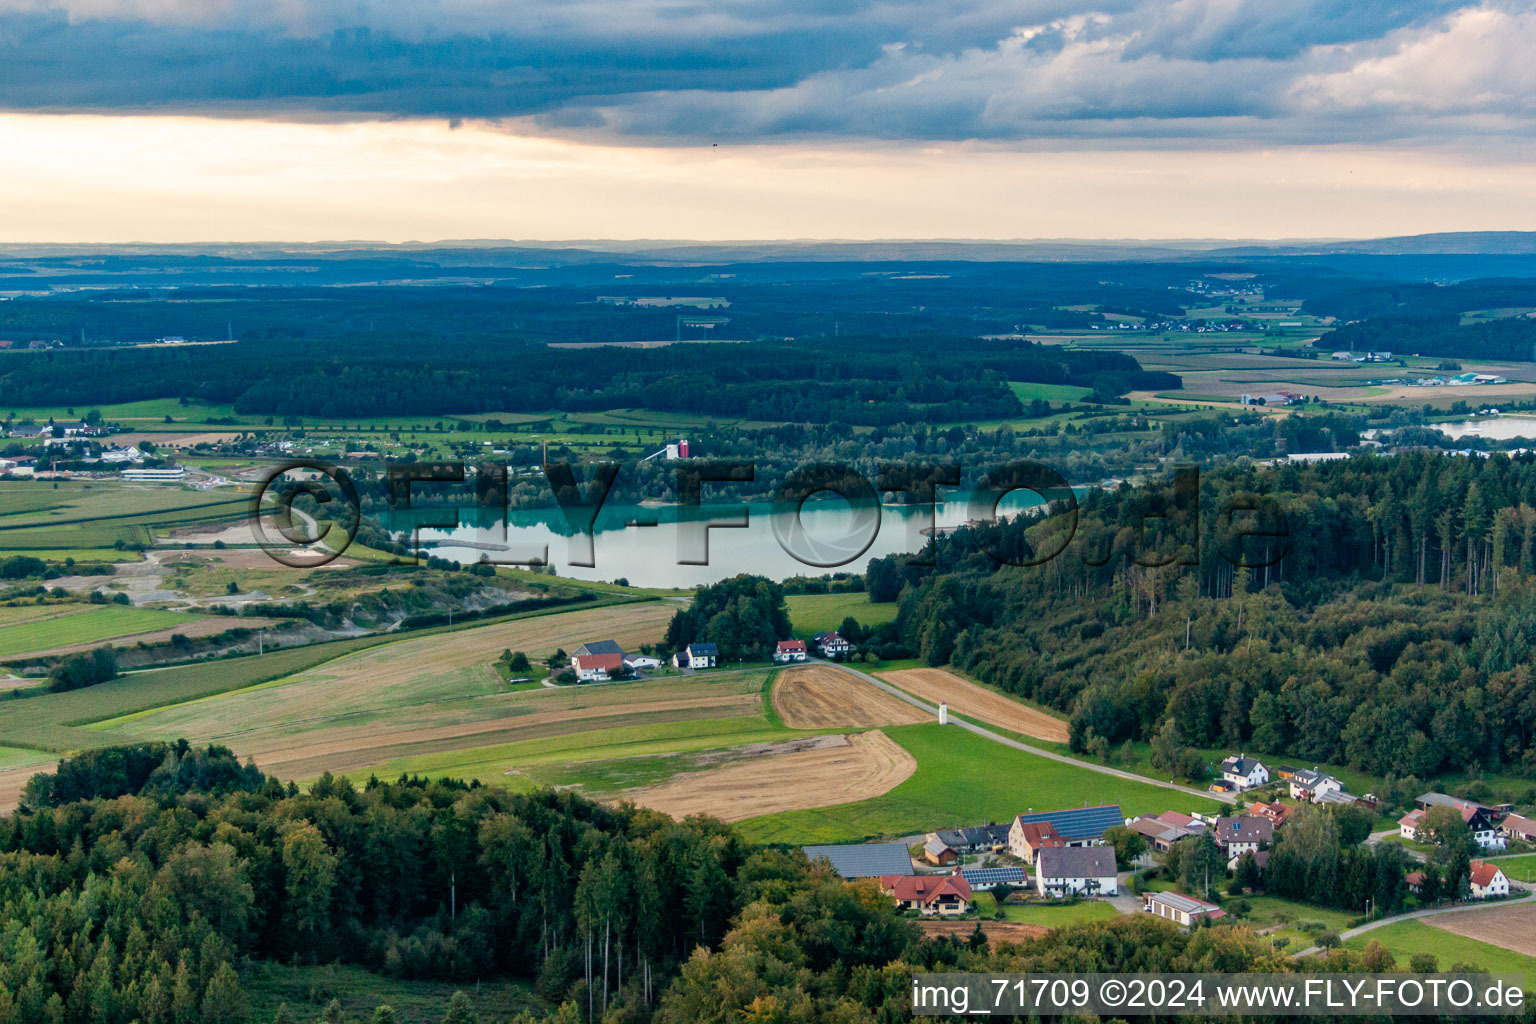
(600, 647)
(705, 650)
(1450, 801)
(1244, 828)
(994, 876)
(937, 847)
(1178, 901)
(1335, 796)
(1240, 765)
(1075, 862)
(1078, 823)
(870, 860)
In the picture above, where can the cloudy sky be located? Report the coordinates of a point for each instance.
(167, 120)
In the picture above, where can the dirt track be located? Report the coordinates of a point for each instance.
(821, 697)
(867, 765)
(966, 698)
(1511, 928)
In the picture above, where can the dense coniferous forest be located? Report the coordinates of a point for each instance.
(137, 883)
(1386, 623)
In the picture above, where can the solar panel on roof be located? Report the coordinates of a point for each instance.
(993, 876)
(865, 861)
(1077, 823)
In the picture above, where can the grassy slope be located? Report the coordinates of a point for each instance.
(817, 613)
(1521, 869)
(88, 624)
(962, 778)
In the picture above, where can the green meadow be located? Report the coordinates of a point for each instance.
(962, 779)
(810, 614)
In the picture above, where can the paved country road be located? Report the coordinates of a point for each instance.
(1434, 912)
(1015, 744)
(1376, 837)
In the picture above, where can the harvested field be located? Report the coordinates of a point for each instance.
(857, 768)
(823, 697)
(1512, 927)
(996, 931)
(446, 670)
(193, 629)
(966, 698)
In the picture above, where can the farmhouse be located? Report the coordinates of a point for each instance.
(945, 895)
(1078, 826)
(1086, 870)
(1415, 880)
(1488, 881)
(1518, 827)
(1408, 825)
(789, 650)
(988, 838)
(1244, 772)
(869, 860)
(1026, 840)
(1479, 818)
(1243, 833)
(1180, 909)
(1311, 784)
(832, 645)
(597, 661)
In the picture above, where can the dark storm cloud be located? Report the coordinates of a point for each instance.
(1122, 70)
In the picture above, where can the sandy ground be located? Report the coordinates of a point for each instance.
(996, 931)
(966, 698)
(14, 780)
(865, 766)
(1507, 927)
(192, 630)
(821, 697)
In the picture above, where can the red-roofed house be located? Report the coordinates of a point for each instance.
(1519, 827)
(1415, 880)
(595, 662)
(1408, 825)
(1276, 812)
(789, 650)
(947, 895)
(1488, 880)
(1027, 839)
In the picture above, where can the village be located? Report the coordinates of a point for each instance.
(1095, 854)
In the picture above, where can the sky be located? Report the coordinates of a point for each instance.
(402, 120)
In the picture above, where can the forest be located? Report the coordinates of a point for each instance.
(862, 380)
(1375, 612)
(138, 883)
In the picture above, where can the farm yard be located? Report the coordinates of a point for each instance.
(974, 701)
(822, 697)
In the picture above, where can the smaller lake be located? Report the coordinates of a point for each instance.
(1495, 428)
(655, 555)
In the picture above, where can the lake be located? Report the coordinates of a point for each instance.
(1495, 428)
(649, 555)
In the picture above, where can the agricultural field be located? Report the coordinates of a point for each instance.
(975, 701)
(822, 697)
(1406, 938)
(810, 614)
(438, 689)
(1510, 927)
(807, 774)
(964, 778)
(75, 625)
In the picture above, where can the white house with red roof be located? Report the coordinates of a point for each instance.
(597, 661)
(1519, 827)
(789, 650)
(1488, 880)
